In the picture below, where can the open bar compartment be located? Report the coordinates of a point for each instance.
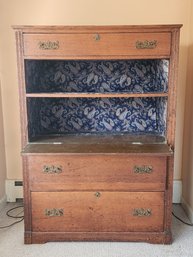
(61, 116)
(117, 76)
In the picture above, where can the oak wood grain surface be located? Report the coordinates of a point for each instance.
(94, 149)
(94, 95)
(111, 44)
(85, 212)
(97, 173)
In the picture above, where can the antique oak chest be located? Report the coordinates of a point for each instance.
(98, 110)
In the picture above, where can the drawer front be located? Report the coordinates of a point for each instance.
(97, 173)
(97, 211)
(97, 45)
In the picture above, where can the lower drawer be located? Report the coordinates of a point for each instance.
(97, 211)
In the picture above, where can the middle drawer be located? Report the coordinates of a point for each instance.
(80, 172)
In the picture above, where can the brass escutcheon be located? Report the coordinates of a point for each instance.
(54, 212)
(51, 169)
(142, 212)
(48, 45)
(146, 44)
(97, 194)
(143, 169)
(97, 37)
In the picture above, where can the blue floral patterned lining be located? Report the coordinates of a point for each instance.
(96, 115)
(96, 76)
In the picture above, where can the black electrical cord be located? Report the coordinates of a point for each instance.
(189, 224)
(22, 218)
(14, 217)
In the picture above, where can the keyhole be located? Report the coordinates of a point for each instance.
(97, 194)
(97, 37)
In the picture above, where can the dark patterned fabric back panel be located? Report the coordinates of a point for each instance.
(96, 115)
(137, 76)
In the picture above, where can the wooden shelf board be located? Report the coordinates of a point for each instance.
(98, 144)
(98, 138)
(94, 95)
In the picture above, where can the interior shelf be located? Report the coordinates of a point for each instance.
(97, 144)
(94, 95)
(88, 138)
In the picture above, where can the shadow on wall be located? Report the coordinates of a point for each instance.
(187, 165)
(2, 154)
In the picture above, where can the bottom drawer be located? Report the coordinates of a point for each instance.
(97, 211)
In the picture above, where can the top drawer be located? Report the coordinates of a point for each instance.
(97, 172)
(97, 45)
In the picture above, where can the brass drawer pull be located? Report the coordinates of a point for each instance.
(97, 194)
(48, 45)
(54, 212)
(52, 169)
(97, 37)
(142, 212)
(143, 169)
(146, 44)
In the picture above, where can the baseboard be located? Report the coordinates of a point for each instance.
(177, 191)
(3, 201)
(14, 190)
(188, 210)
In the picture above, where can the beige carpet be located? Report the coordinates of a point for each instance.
(11, 244)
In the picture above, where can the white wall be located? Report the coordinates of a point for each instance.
(2, 154)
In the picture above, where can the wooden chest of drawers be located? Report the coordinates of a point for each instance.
(99, 107)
